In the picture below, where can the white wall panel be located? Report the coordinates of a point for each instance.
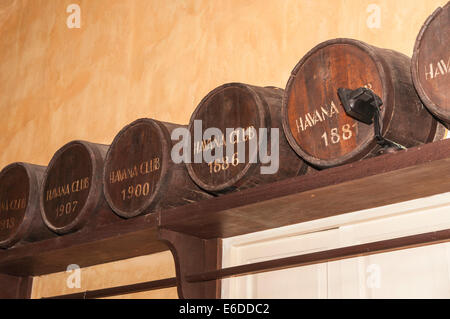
(422, 272)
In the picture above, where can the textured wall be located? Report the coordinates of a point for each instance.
(155, 58)
(126, 272)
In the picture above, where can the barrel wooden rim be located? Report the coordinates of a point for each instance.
(387, 111)
(444, 115)
(152, 201)
(95, 190)
(264, 121)
(32, 204)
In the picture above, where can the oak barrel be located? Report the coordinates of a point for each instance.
(234, 109)
(20, 217)
(315, 122)
(72, 193)
(430, 65)
(139, 175)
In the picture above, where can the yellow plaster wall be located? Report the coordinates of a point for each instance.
(156, 58)
(114, 274)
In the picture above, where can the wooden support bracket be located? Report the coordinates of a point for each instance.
(13, 287)
(194, 255)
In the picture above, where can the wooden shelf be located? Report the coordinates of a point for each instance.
(387, 179)
(392, 178)
(121, 240)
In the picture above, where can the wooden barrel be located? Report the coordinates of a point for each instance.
(72, 191)
(315, 122)
(431, 64)
(234, 108)
(139, 175)
(20, 217)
